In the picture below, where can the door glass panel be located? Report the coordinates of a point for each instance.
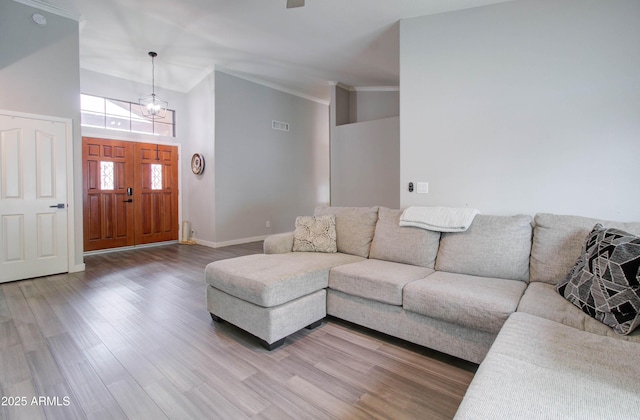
(106, 175)
(156, 176)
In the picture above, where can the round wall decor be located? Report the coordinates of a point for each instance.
(197, 163)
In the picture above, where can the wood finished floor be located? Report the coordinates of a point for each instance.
(131, 338)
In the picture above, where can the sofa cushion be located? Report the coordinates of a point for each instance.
(557, 243)
(493, 246)
(375, 279)
(270, 280)
(454, 339)
(482, 303)
(315, 234)
(605, 282)
(354, 227)
(538, 368)
(542, 299)
(408, 245)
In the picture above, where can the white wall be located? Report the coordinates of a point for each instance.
(523, 107)
(263, 174)
(39, 74)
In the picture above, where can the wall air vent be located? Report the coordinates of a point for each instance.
(279, 125)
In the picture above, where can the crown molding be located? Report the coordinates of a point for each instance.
(365, 88)
(47, 7)
(377, 88)
(340, 85)
(272, 85)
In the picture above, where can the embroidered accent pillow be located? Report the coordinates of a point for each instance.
(315, 234)
(605, 282)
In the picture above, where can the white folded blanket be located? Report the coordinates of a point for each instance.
(440, 219)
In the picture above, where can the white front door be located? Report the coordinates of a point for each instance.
(33, 198)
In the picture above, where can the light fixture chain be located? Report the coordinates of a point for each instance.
(151, 106)
(153, 75)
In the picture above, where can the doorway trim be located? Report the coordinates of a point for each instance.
(72, 267)
(110, 135)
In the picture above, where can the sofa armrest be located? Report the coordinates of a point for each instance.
(279, 243)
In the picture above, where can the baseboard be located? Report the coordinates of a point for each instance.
(229, 243)
(77, 268)
(129, 248)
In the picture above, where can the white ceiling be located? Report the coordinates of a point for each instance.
(351, 41)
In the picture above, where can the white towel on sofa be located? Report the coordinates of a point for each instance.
(440, 219)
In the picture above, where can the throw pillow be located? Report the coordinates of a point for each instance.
(315, 234)
(605, 282)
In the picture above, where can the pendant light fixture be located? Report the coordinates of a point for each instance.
(151, 106)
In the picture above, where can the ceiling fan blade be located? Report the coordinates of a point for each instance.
(294, 3)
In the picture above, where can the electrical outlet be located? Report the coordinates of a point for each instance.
(268, 223)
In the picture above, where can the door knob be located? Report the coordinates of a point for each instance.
(128, 201)
(57, 206)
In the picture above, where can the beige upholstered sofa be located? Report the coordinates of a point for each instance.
(550, 359)
(486, 295)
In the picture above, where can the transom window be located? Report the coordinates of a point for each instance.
(123, 116)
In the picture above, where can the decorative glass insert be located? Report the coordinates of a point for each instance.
(156, 176)
(106, 175)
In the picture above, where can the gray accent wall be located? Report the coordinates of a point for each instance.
(369, 105)
(365, 160)
(523, 107)
(365, 148)
(40, 74)
(199, 190)
(262, 174)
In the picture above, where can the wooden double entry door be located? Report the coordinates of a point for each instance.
(130, 193)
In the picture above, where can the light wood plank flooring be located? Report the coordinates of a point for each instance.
(131, 338)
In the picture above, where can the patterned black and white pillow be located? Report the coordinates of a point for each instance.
(605, 282)
(315, 234)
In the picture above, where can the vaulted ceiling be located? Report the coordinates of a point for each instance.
(352, 41)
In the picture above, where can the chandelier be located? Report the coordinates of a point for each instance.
(151, 106)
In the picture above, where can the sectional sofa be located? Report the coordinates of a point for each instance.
(486, 295)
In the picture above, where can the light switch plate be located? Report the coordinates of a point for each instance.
(423, 188)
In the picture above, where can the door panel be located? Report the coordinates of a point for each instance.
(157, 214)
(114, 219)
(33, 198)
(107, 173)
